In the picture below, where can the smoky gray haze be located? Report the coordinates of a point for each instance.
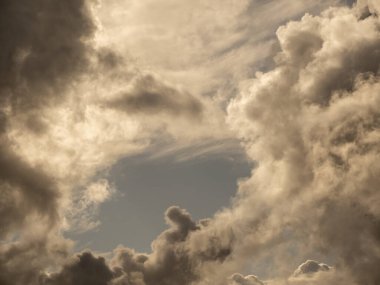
(85, 84)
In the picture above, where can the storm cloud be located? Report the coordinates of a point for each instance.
(45, 45)
(41, 54)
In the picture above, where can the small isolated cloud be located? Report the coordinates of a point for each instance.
(98, 192)
(238, 279)
(310, 267)
(315, 273)
(308, 273)
(149, 96)
(82, 214)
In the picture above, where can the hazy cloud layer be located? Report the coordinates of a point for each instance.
(208, 46)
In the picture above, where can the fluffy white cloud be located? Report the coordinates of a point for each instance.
(312, 124)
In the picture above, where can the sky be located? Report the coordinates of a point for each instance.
(167, 142)
(148, 185)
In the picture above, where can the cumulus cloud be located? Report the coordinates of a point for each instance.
(310, 267)
(311, 122)
(83, 269)
(313, 272)
(239, 279)
(308, 273)
(70, 108)
(171, 261)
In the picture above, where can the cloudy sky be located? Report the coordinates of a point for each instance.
(173, 142)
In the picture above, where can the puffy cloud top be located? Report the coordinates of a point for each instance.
(310, 267)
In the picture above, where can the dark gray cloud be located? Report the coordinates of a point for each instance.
(149, 96)
(83, 269)
(25, 190)
(24, 261)
(47, 50)
(44, 46)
